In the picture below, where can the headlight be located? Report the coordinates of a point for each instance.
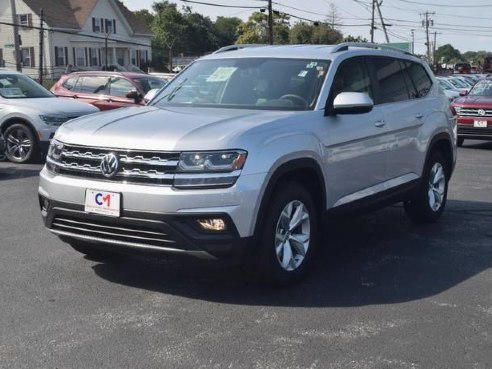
(55, 149)
(53, 120)
(209, 169)
(457, 109)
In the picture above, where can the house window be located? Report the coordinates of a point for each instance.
(80, 57)
(61, 56)
(93, 56)
(133, 57)
(96, 25)
(27, 54)
(109, 26)
(24, 20)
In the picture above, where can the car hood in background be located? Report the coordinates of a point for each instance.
(475, 101)
(54, 106)
(151, 128)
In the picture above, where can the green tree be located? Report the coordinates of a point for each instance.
(224, 31)
(198, 33)
(350, 38)
(448, 54)
(145, 16)
(324, 34)
(301, 33)
(255, 30)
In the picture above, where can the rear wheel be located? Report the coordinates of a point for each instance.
(288, 235)
(21, 145)
(430, 201)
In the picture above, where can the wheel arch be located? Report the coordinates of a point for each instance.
(18, 120)
(305, 171)
(442, 142)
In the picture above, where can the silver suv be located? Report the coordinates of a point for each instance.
(246, 151)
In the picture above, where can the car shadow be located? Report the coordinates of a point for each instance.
(9, 171)
(379, 258)
(474, 144)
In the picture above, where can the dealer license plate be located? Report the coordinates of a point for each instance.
(102, 202)
(480, 123)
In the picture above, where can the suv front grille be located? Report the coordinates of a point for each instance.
(473, 112)
(134, 166)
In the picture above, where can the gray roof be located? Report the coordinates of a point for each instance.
(74, 13)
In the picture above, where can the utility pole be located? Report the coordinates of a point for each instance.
(427, 22)
(413, 40)
(41, 43)
(270, 22)
(372, 20)
(16, 37)
(382, 21)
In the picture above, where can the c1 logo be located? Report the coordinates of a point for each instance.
(100, 199)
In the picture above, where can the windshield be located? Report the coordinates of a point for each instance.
(150, 83)
(457, 83)
(252, 83)
(482, 88)
(18, 86)
(445, 85)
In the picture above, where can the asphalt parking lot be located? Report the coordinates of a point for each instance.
(383, 294)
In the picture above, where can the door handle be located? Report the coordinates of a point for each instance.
(380, 123)
(75, 97)
(419, 115)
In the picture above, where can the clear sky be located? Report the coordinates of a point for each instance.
(465, 24)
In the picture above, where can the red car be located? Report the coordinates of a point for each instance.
(107, 90)
(473, 112)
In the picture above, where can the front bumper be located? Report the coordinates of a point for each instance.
(153, 218)
(467, 130)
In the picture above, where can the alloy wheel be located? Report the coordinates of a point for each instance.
(437, 186)
(18, 143)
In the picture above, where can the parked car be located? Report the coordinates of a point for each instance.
(107, 90)
(30, 115)
(449, 90)
(246, 151)
(474, 112)
(463, 68)
(459, 84)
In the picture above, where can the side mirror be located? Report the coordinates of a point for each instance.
(134, 94)
(150, 95)
(351, 103)
(463, 92)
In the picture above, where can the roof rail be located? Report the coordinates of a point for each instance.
(236, 47)
(345, 46)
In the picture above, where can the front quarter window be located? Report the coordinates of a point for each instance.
(251, 83)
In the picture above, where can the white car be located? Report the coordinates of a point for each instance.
(30, 115)
(449, 90)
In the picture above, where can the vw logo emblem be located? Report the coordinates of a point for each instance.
(481, 112)
(109, 165)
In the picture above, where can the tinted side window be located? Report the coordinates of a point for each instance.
(392, 87)
(120, 87)
(69, 84)
(352, 76)
(420, 78)
(91, 85)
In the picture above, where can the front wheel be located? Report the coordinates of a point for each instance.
(460, 141)
(21, 145)
(288, 235)
(430, 201)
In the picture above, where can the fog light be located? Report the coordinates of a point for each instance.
(215, 225)
(44, 203)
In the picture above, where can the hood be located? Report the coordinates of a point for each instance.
(55, 106)
(170, 129)
(475, 101)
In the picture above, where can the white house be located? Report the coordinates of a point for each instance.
(82, 34)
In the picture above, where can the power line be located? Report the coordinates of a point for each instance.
(447, 5)
(222, 5)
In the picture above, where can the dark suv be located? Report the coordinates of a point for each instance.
(107, 90)
(474, 112)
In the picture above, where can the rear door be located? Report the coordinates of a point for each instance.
(92, 89)
(402, 88)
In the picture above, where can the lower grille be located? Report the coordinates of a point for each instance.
(110, 232)
(471, 131)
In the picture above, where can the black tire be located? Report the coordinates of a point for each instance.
(270, 266)
(460, 141)
(21, 145)
(420, 209)
(92, 251)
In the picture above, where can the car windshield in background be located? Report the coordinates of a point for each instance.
(482, 88)
(150, 83)
(17, 86)
(251, 83)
